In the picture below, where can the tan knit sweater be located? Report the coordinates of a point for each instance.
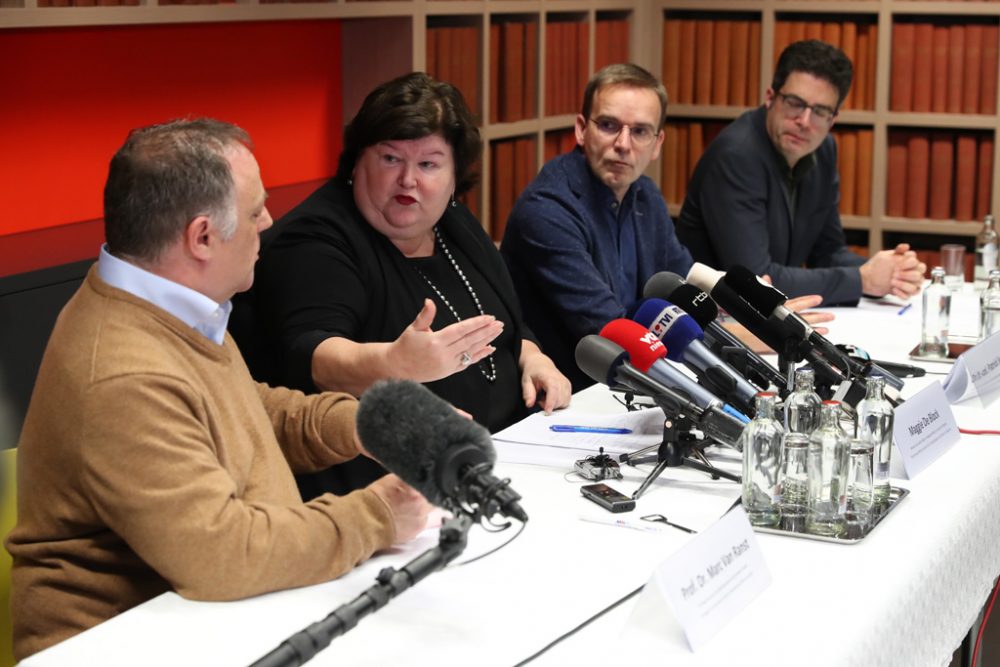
(151, 461)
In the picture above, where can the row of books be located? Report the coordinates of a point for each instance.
(711, 61)
(514, 57)
(94, 3)
(452, 56)
(610, 43)
(854, 161)
(567, 44)
(683, 144)
(857, 38)
(944, 67)
(513, 70)
(558, 142)
(512, 166)
(939, 174)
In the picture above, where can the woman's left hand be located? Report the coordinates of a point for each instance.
(539, 376)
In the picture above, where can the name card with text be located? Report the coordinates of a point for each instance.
(713, 577)
(924, 429)
(976, 373)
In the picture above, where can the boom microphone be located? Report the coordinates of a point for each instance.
(607, 362)
(683, 338)
(445, 456)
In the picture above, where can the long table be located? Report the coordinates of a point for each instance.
(906, 595)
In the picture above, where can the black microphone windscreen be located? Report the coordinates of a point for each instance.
(409, 430)
(762, 297)
(695, 303)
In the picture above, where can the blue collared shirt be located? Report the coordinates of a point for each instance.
(189, 306)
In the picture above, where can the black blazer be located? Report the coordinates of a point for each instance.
(737, 212)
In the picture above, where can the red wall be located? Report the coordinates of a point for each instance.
(69, 96)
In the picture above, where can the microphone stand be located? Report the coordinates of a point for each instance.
(305, 644)
(680, 447)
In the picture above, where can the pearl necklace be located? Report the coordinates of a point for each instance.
(490, 376)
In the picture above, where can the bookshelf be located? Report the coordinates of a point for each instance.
(458, 40)
(882, 118)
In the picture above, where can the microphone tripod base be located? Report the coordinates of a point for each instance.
(680, 447)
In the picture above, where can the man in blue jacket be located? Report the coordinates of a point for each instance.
(590, 229)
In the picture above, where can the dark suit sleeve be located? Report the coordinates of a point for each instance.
(734, 205)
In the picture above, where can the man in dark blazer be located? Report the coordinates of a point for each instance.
(765, 193)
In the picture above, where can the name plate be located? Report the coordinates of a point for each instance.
(924, 429)
(713, 577)
(976, 372)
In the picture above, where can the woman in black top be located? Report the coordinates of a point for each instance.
(382, 273)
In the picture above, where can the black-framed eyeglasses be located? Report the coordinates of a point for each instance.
(795, 106)
(641, 135)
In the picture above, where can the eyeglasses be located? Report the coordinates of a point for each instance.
(641, 135)
(795, 106)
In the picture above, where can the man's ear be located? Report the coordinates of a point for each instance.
(579, 127)
(199, 238)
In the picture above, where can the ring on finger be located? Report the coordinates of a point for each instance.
(465, 359)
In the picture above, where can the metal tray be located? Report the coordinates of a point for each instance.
(795, 526)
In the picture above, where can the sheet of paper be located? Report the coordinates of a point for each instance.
(645, 426)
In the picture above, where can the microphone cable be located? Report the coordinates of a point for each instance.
(494, 549)
(582, 625)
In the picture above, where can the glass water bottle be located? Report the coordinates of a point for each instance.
(986, 251)
(828, 458)
(989, 303)
(875, 420)
(802, 405)
(761, 442)
(936, 318)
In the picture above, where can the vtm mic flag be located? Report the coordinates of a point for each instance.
(683, 338)
(648, 354)
(445, 456)
(607, 362)
(700, 306)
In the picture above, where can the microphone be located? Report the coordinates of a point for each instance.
(770, 302)
(683, 339)
(648, 353)
(606, 362)
(445, 456)
(761, 309)
(773, 332)
(701, 307)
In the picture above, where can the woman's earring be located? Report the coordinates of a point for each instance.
(454, 203)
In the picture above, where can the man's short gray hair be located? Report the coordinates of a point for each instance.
(162, 178)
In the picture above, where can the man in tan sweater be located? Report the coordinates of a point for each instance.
(149, 460)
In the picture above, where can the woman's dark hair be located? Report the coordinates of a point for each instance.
(819, 59)
(414, 106)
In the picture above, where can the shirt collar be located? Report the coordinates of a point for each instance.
(189, 306)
